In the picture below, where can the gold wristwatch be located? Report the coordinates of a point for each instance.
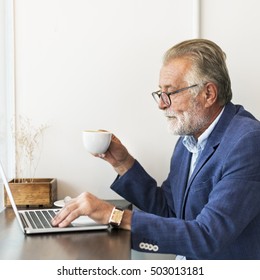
(116, 217)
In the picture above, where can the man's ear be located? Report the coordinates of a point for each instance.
(211, 94)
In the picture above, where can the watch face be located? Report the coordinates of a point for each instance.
(116, 217)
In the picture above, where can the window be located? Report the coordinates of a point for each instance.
(6, 87)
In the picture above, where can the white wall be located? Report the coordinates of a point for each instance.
(235, 25)
(86, 64)
(93, 64)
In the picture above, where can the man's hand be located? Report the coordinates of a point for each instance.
(86, 204)
(118, 156)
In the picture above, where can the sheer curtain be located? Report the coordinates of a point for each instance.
(6, 89)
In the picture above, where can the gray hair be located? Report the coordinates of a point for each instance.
(208, 65)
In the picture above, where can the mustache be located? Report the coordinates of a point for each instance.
(170, 114)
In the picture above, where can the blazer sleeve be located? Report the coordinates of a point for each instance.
(138, 187)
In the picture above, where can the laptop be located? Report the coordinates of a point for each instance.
(34, 221)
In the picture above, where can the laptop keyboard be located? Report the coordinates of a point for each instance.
(41, 218)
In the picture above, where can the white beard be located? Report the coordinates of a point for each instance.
(187, 123)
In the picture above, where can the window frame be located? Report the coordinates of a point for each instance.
(7, 91)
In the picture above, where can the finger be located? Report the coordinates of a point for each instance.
(115, 139)
(58, 218)
(101, 156)
(68, 220)
(65, 218)
(62, 215)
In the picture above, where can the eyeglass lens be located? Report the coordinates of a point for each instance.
(165, 98)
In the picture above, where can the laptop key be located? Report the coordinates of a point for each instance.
(49, 215)
(34, 220)
(43, 220)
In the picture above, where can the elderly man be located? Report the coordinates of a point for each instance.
(209, 205)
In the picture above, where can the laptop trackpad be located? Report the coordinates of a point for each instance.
(83, 221)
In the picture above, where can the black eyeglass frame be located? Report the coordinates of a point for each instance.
(160, 94)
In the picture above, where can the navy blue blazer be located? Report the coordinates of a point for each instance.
(214, 215)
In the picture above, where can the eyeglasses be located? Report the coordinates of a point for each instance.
(165, 96)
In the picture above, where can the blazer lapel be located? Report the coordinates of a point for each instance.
(182, 182)
(206, 154)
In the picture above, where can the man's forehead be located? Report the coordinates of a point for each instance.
(178, 64)
(175, 69)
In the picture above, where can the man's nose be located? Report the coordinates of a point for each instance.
(162, 105)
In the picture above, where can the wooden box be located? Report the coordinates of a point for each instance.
(39, 193)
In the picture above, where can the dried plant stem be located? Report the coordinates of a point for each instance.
(28, 141)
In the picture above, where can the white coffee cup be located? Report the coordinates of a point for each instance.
(96, 141)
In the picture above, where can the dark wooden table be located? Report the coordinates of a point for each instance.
(112, 244)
